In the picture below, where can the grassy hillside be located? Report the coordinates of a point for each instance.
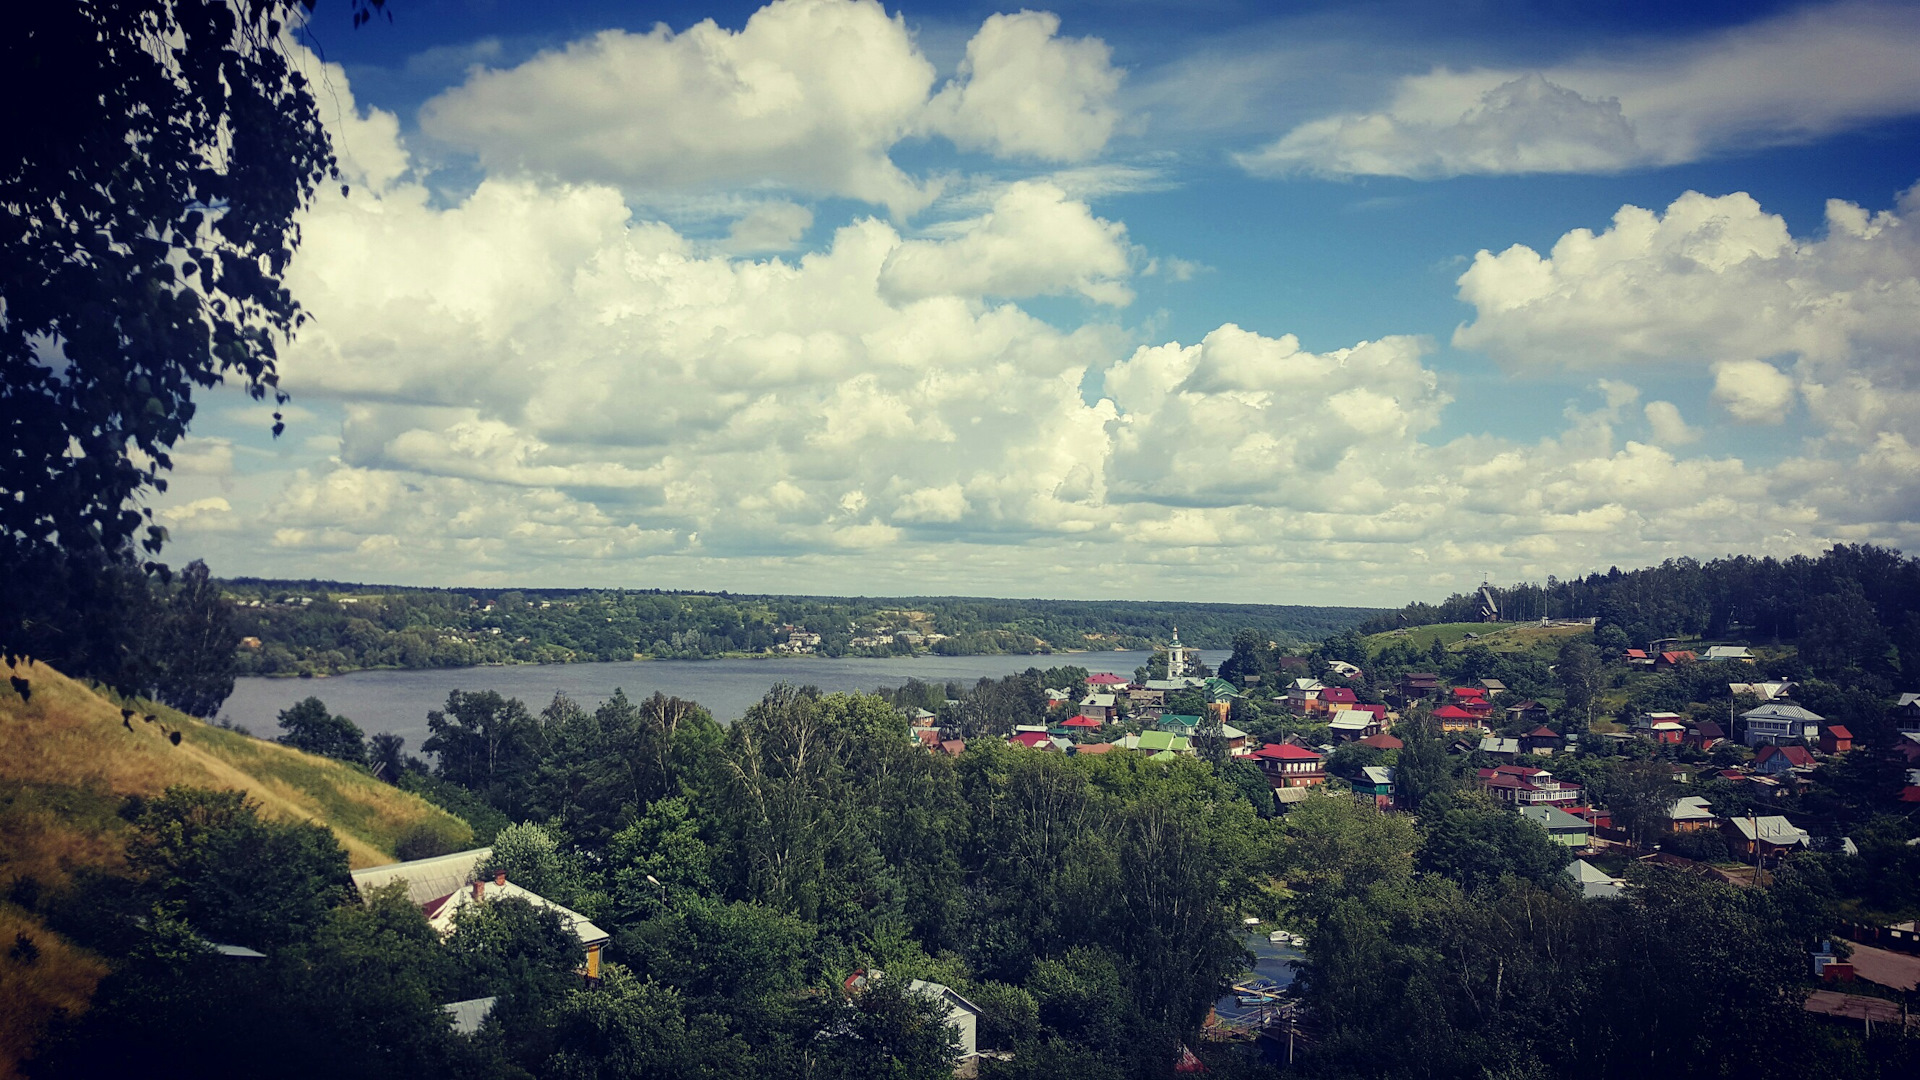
(67, 762)
(1532, 638)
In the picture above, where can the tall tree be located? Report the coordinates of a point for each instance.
(150, 194)
(310, 727)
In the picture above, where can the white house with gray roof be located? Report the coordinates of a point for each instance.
(1781, 723)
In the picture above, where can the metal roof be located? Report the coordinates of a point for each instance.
(427, 879)
(469, 1015)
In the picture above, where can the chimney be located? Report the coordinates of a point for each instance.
(500, 878)
(477, 886)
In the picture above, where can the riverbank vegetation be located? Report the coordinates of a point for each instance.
(328, 627)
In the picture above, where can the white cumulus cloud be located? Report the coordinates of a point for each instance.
(1768, 83)
(810, 94)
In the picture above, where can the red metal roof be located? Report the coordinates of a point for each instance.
(1286, 752)
(1469, 691)
(1453, 712)
(1032, 739)
(1081, 721)
(1543, 732)
(1338, 695)
(1383, 741)
(1105, 679)
(1795, 755)
(1839, 732)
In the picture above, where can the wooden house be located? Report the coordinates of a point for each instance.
(1542, 740)
(1835, 739)
(1527, 712)
(1288, 765)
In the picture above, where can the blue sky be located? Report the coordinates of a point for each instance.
(1200, 300)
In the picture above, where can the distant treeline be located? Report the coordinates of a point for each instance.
(1854, 606)
(323, 626)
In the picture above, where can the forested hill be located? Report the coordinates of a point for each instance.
(325, 626)
(1855, 606)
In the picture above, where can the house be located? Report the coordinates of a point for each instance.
(1774, 760)
(1159, 742)
(1057, 699)
(1099, 706)
(1035, 740)
(1704, 735)
(1375, 784)
(1499, 747)
(1105, 680)
(1593, 882)
(921, 717)
(1638, 657)
(1084, 723)
(1141, 697)
(1352, 725)
(962, 1015)
(1765, 691)
(953, 747)
(1598, 817)
(1690, 814)
(1836, 739)
(1337, 697)
(1454, 718)
(1542, 740)
(1096, 748)
(1665, 728)
(1521, 785)
(1527, 712)
(1673, 658)
(928, 738)
(1493, 687)
(1344, 670)
(1463, 694)
(1383, 741)
(1288, 765)
(446, 884)
(1765, 838)
(1565, 829)
(1302, 691)
(1727, 652)
(1178, 723)
(1418, 684)
(1778, 722)
(1906, 713)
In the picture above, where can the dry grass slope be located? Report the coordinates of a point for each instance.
(68, 756)
(69, 735)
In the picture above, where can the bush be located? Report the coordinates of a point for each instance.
(422, 841)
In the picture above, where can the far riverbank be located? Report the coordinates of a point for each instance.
(399, 700)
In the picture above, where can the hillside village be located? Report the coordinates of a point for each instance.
(1732, 788)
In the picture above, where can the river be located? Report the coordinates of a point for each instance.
(398, 701)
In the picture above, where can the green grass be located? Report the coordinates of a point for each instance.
(1530, 638)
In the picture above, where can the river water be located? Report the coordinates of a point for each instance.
(398, 701)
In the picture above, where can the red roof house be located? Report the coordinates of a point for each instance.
(1778, 759)
(1468, 692)
(1289, 766)
(1338, 695)
(1105, 679)
(1835, 739)
(1674, 658)
(1383, 741)
(1033, 740)
(1455, 718)
(1082, 722)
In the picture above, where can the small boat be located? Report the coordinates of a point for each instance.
(1280, 937)
(1251, 920)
